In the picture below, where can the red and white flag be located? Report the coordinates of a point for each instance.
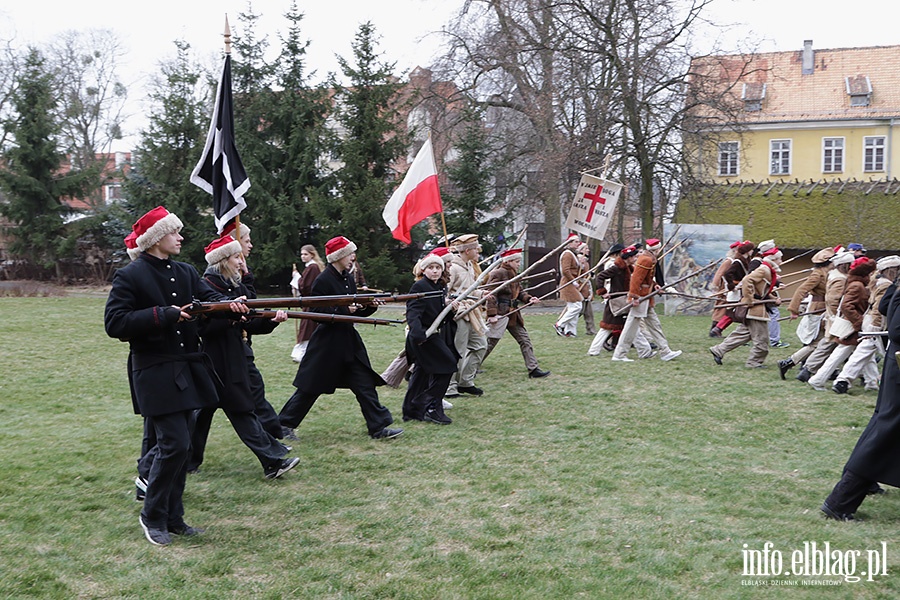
(417, 197)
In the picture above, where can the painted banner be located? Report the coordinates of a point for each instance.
(593, 206)
(695, 246)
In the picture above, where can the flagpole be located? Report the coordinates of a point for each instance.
(443, 220)
(227, 35)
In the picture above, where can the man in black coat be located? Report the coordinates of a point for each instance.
(169, 376)
(336, 356)
(874, 459)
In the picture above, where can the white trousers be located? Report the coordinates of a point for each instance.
(569, 320)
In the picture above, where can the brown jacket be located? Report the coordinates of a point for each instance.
(509, 297)
(643, 277)
(856, 300)
(569, 269)
(814, 284)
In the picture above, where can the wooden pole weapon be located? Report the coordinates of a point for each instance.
(440, 318)
(514, 279)
(582, 276)
(674, 283)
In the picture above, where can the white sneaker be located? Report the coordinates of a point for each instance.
(672, 354)
(447, 405)
(622, 359)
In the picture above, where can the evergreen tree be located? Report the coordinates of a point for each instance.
(169, 150)
(469, 177)
(372, 141)
(280, 122)
(31, 179)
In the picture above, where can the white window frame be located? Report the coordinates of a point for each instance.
(835, 162)
(728, 159)
(873, 161)
(786, 144)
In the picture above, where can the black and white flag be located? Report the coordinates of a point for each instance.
(220, 171)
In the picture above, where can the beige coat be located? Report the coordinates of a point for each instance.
(755, 286)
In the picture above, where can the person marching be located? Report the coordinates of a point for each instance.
(223, 341)
(471, 341)
(619, 276)
(643, 281)
(336, 356)
(862, 361)
(435, 357)
(834, 291)
(853, 307)
(313, 265)
(717, 286)
(501, 302)
(756, 288)
(169, 377)
(874, 458)
(740, 266)
(570, 267)
(587, 290)
(263, 409)
(814, 286)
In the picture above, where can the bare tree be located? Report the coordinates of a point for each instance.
(582, 78)
(10, 65)
(91, 97)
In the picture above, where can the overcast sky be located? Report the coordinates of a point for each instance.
(148, 30)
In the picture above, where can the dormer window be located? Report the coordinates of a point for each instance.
(859, 89)
(753, 95)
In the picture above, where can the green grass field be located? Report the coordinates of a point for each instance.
(604, 480)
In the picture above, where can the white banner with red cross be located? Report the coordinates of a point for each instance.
(593, 206)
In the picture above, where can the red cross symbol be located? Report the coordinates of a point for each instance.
(595, 200)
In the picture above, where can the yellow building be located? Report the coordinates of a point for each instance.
(798, 145)
(803, 115)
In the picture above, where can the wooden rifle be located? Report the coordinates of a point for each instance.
(199, 308)
(323, 317)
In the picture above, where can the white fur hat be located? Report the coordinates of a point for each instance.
(843, 258)
(886, 262)
(766, 245)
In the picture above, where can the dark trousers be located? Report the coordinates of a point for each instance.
(167, 462)
(267, 416)
(425, 392)
(266, 448)
(361, 383)
(148, 450)
(849, 493)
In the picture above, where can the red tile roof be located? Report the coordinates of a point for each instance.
(822, 95)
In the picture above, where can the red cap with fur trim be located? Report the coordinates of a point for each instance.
(441, 251)
(860, 261)
(652, 243)
(229, 230)
(221, 248)
(511, 253)
(154, 226)
(629, 252)
(337, 248)
(734, 244)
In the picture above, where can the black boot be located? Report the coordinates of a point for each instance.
(804, 374)
(784, 366)
(715, 332)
